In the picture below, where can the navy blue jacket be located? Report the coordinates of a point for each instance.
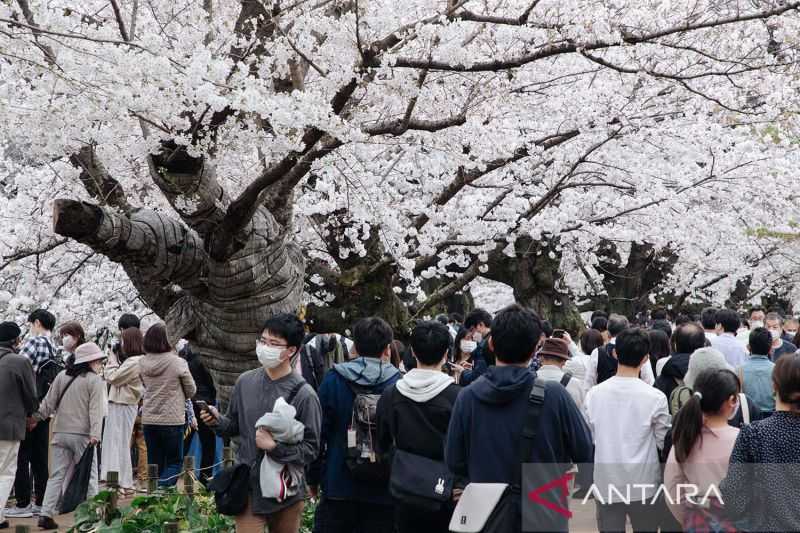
(336, 400)
(485, 433)
(480, 364)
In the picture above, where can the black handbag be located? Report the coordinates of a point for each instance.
(78, 487)
(420, 481)
(231, 488)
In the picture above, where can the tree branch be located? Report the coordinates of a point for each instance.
(572, 47)
(121, 23)
(97, 181)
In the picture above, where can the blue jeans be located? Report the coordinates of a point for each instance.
(165, 449)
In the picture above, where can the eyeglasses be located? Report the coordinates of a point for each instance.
(266, 342)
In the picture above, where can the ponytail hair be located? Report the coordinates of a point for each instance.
(712, 388)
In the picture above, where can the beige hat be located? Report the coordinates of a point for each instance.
(86, 353)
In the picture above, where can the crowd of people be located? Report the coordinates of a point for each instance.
(391, 437)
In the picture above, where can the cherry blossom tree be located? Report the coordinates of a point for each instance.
(381, 156)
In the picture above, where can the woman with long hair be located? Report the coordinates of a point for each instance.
(126, 389)
(77, 399)
(169, 384)
(578, 365)
(702, 441)
(659, 350)
(764, 470)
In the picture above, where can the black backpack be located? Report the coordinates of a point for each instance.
(606, 363)
(47, 373)
(362, 458)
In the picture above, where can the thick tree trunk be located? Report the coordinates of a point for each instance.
(219, 307)
(534, 276)
(629, 285)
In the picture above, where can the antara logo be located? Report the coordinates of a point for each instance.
(562, 484)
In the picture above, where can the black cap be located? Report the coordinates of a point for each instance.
(9, 331)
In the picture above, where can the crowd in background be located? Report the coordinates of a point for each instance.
(387, 436)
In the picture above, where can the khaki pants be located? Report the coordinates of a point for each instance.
(8, 471)
(284, 521)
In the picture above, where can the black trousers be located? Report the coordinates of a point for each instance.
(415, 520)
(32, 461)
(208, 445)
(347, 516)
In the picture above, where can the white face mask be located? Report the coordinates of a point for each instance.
(756, 324)
(477, 336)
(68, 342)
(468, 346)
(791, 332)
(269, 356)
(776, 334)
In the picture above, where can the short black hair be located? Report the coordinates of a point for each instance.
(600, 324)
(456, 318)
(682, 319)
(286, 326)
(708, 317)
(689, 337)
(598, 314)
(729, 320)
(515, 333)
(45, 318)
(430, 341)
(617, 324)
(128, 321)
(659, 314)
(442, 319)
(760, 341)
(477, 316)
(632, 345)
(547, 328)
(371, 336)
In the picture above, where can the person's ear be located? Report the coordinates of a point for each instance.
(387, 353)
(491, 344)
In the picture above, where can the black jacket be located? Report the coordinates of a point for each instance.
(206, 391)
(419, 428)
(674, 370)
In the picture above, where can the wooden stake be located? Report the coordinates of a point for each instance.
(170, 527)
(152, 479)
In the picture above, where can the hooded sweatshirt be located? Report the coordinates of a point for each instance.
(336, 399)
(673, 371)
(168, 384)
(413, 415)
(485, 433)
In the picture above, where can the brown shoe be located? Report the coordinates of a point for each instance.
(47, 523)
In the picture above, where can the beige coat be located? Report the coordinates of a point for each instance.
(82, 406)
(126, 384)
(168, 384)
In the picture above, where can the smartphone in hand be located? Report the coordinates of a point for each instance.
(203, 406)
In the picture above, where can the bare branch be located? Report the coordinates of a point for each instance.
(22, 254)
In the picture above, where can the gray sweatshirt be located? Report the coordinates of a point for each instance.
(255, 394)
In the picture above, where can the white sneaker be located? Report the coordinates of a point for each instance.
(36, 509)
(20, 512)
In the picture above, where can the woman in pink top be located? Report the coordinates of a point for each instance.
(702, 442)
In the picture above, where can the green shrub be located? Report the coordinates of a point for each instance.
(147, 514)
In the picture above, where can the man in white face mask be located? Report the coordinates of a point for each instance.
(774, 323)
(255, 394)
